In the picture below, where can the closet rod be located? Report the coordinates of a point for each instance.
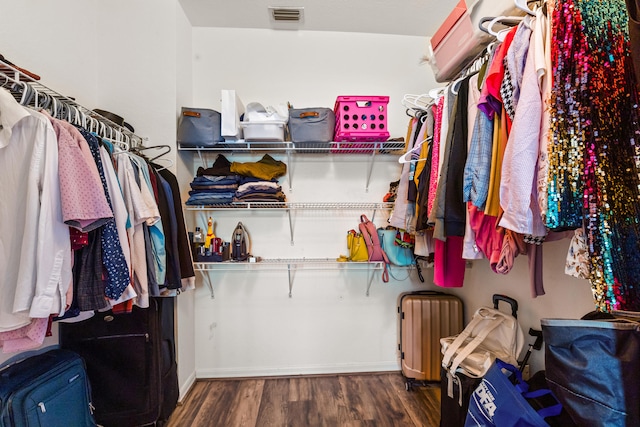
(9, 73)
(475, 64)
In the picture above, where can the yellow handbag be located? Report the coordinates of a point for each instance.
(357, 247)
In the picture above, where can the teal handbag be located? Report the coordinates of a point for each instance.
(398, 254)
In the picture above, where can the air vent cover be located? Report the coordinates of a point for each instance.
(287, 14)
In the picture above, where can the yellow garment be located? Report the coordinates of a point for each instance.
(500, 137)
(266, 168)
(407, 140)
(420, 165)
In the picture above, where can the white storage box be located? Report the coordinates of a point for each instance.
(264, 131)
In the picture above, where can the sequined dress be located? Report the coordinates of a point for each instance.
(593, 153)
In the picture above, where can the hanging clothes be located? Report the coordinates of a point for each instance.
(593, 154)
(399, 215)
(31, 225)
(180, 248)
(142, 209)
(518, 189)
(470, 249)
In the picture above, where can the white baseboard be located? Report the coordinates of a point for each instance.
(186, 387)
(297, 370)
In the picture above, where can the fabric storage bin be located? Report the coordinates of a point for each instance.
(198, 128)
(311, 124)
(264, 131)
(361, 118)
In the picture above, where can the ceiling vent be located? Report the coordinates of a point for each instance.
(286, 14)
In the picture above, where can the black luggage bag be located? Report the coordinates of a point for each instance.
(48, 389)
(130, 362)
(453, 410)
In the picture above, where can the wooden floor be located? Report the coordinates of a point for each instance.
(353, 400)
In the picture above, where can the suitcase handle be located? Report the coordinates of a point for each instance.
(513, 303)
(426, 292)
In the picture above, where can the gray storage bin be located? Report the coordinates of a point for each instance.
(199, 128)
(311, 124)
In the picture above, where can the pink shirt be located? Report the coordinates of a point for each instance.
(84, 204)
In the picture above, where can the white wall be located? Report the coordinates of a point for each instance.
(308, 69)
(185, 310)
(329, 325)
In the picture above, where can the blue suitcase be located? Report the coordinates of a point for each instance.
(49, 389)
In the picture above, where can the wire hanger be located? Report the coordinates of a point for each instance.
(167, 149)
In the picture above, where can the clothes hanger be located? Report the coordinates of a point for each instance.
(436, 93)
(46, 100)
(27, 94)
(6, 80)
(167, 166)
(419, 102)
(143, 148)
(524, 6)
(406, 157)
(505, 20)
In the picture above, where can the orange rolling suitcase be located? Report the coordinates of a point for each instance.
(424, 318)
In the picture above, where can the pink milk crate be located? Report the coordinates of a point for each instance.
(361, 118)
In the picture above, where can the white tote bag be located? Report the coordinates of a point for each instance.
(232, 110)
(491, 334)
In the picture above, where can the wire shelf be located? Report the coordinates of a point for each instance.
(294, 206)
(335, 147)
(286, 263)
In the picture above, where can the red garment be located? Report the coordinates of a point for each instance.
(448, 264)
(512, 246)
(123, 307)
(79, 239)
(489, 237)
(496, 71)
(490, 101)
(154, 183)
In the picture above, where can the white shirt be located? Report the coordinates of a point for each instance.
(518, 190)
(120, 216)
(35, 248)
(139, 202)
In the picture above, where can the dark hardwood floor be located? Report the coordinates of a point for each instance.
(345, 400)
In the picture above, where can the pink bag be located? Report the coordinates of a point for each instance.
(376, 253)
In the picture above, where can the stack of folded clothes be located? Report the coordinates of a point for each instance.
(227, 182)
(260, 191)
(214, 185)
(212, 190)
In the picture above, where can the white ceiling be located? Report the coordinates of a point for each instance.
(401, 17)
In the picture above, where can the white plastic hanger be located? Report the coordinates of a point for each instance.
(522, 5)
(436, 93)
(501, 34)
(417, 102)
(406, 157)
